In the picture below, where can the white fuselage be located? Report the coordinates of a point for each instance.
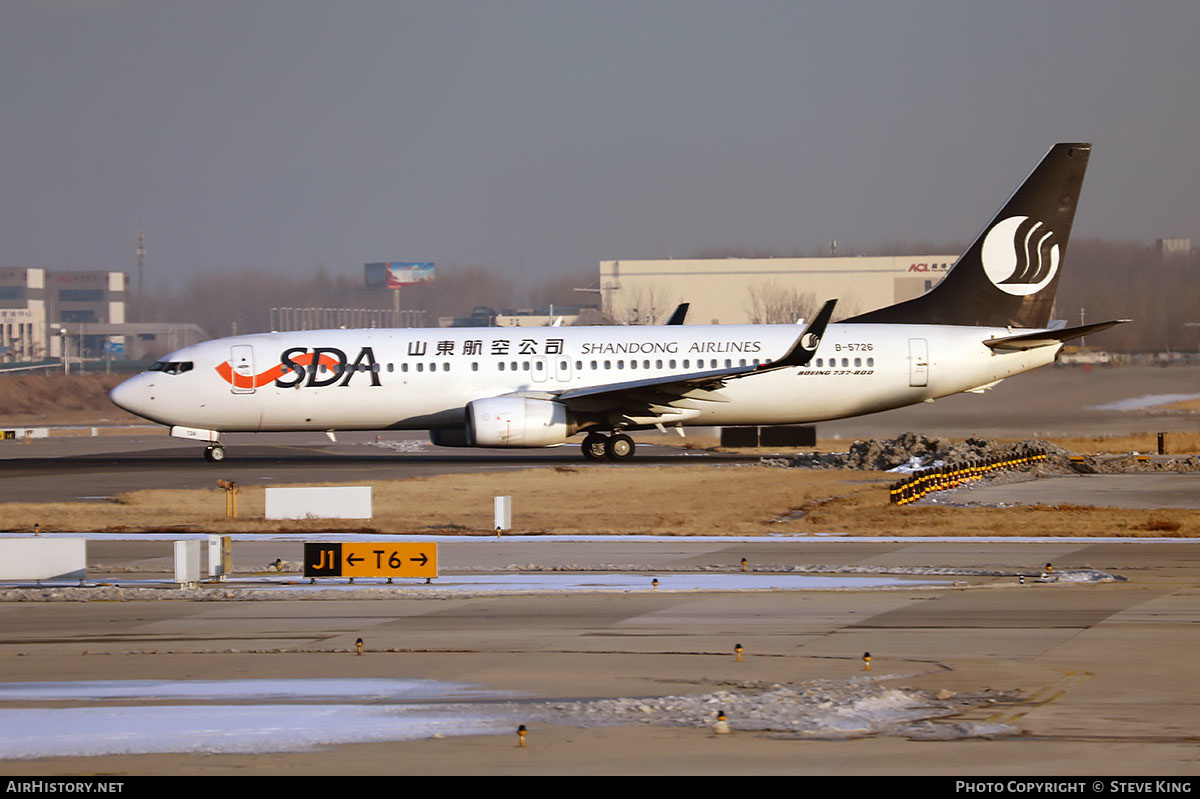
(414, 379)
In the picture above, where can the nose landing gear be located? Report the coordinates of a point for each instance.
(214, 453)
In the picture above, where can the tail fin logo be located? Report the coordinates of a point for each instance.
(1020, 255)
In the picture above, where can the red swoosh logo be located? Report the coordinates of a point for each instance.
(271, 375)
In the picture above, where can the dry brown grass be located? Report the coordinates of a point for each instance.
(1187, 406)
(1174, 443)
(43, 399)
(680, 500)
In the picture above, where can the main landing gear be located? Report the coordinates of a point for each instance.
(214, 453)
(597, 446)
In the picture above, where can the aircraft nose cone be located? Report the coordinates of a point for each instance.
(128, 395)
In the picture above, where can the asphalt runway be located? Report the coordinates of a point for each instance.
(1149, 490)
(1052, 401)
(96, 468)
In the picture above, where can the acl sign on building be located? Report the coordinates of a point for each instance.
(762, 290)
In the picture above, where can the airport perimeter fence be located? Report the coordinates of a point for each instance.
(951, 475)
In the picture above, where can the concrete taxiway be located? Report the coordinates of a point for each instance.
(1096, 679)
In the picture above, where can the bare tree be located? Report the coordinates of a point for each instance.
(646, 305)
(772, 304)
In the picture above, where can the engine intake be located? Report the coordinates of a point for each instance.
(517, 422)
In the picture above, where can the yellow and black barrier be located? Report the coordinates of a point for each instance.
(924, 482)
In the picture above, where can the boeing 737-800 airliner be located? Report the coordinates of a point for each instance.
(987, 320)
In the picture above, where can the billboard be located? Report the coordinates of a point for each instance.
(397, 274)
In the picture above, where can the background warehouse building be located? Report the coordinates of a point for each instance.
(732, 291)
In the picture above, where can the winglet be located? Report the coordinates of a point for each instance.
(806, 344)
(680, 314)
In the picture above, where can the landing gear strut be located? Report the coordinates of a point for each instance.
(214, 453)
(597, 446)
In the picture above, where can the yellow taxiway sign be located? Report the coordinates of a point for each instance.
(370, 559)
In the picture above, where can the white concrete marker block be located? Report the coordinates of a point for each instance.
(187, 561)
(43, 559)
(324, 502)
(220, 556)
(503, 513)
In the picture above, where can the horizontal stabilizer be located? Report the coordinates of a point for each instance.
(1046, 338)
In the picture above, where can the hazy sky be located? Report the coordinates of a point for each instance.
(542, 137)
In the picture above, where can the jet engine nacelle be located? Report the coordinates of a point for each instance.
(517, 422)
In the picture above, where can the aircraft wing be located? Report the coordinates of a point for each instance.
(1046, 338)
(705, 386)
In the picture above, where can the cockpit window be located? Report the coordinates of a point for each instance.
(172, 367)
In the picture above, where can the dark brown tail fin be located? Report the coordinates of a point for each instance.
(1009, 274)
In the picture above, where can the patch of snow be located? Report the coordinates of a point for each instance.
(94, 731)
(1144, 401)
(817, 708)
(315, 690)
